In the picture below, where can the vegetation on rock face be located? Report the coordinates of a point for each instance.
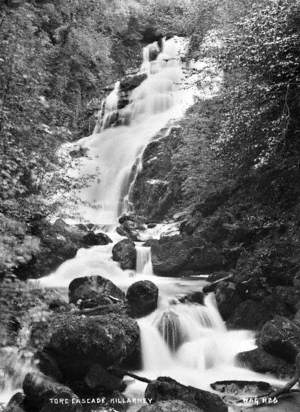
(252, 128)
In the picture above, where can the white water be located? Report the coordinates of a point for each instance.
(164, 96)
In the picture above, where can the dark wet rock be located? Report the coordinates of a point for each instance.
(151, 225)
(169, 328)
(249, 302)
(152, 194)
(15, 404)
(78, 342)
(39, 389)
(121, 231)
(80, 152)
(281, 337)
(246, 388)
(94, 239)
(171, 406)
(251, 314)
(91, 291)
(213, 202)
(129, 83)
(152, 34)
(228, 298)
(56, 243)
(124, 252)
(164, 389)
(39, 333)
(193, 297)
(142, 298)
(172, 255)
(47, 365)
(262, 362)
(130, 226)
(99, 380)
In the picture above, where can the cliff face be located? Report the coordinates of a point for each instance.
(154, 194)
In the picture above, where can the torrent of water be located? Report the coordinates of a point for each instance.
(160, 98)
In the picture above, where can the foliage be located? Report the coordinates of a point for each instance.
(262, 58)
(252, 128)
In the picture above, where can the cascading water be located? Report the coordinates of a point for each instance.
(108, 110)
(113, 151)
(143, 260)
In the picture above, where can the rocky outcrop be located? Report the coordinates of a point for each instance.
(78, 342)
(130, 226)
(127, 85)
(95, 239)
(91, 291)
(281, 337)
(142, 298)
(124, 252)
(153, 195)
(193, 297)
(99, 380)
(171, 406)
(166, 389)
(260, 361)
(57, 243)
(246, 388)
(176, 255)
(42, 392)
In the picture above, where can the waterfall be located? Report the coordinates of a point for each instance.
(112, 151)
(143, 260)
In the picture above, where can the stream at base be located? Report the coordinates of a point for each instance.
(188, 342)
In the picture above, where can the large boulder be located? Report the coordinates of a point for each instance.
(91, 291)
(245, 388)
(131, 226)
(78, 342)
(171, 406)
(281, 337)
(228, 298)
(176, 255)
(262, 362)
(250, 314)
(142, 298)
(99, 380)
(164, 389)
(124, 252)
(95, 239)
(193, 297)
(42, 393)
